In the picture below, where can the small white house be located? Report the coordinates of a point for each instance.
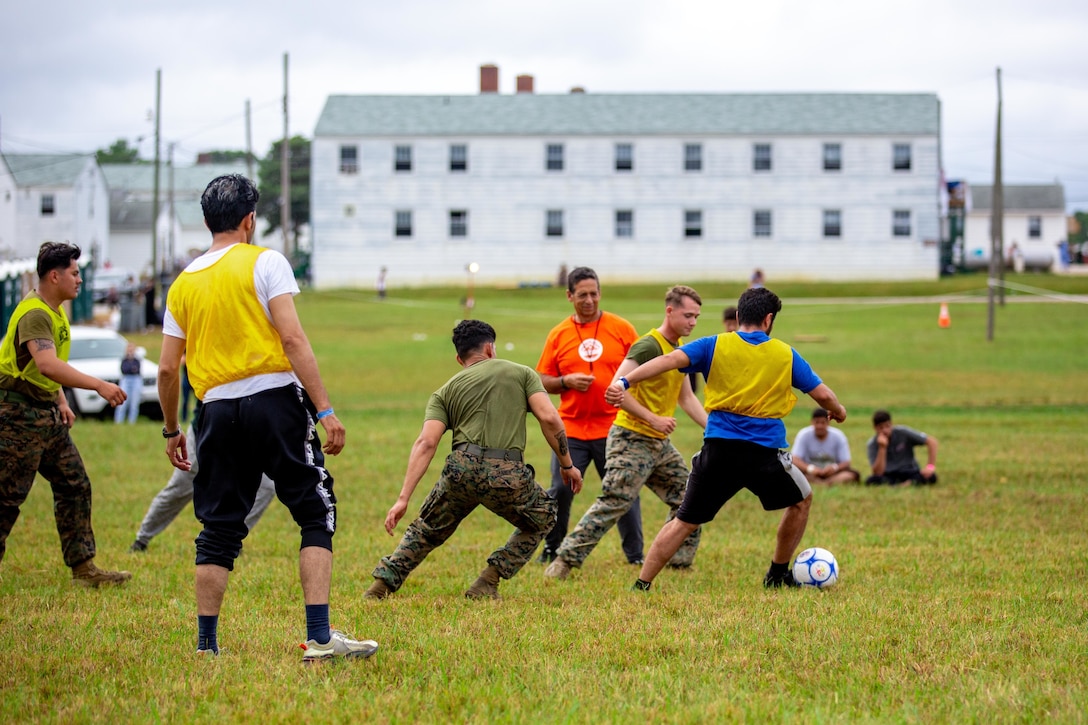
(180, 229)
(1034, 220)
(642, 187)
(51, 198)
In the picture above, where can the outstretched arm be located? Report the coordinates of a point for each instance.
(551, 425)
(418, 461)
(673, 361)
(827, 399)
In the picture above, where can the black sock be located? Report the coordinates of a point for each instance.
(778, 570)
(207, 631)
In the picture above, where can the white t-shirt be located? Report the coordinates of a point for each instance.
(832, 449)
(272, 276)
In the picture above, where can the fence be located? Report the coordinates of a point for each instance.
(20, 276)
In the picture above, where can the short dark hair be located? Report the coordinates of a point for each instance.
(755, 304)
(819, 413)
(56, 255)
(578, 274)
(227, 200)
(730, 313)
(881, 416)
(470, 335)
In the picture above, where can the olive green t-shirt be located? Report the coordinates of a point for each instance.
(486, 403)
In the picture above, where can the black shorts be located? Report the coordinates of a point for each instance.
(725, 466)
(272, 432)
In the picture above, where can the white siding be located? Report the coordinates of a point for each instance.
(507, 191)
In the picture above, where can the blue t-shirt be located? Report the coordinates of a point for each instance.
(769, 432)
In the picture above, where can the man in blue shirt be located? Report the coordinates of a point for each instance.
(749, 382)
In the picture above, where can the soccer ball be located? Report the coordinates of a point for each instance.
(816, 567)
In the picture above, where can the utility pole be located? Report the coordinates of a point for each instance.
(155, 193)
(170, 255)
(285, 173)
(249, 143)
(997, 224)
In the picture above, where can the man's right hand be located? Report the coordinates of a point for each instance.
(112, 393)
(614, 393)
(335, 435)
(578, 381)
(573, 478)
(663, 425)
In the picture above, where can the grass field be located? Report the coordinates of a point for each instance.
(963, 602)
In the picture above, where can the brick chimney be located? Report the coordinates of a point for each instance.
(577, 89)
(489, 78)
(525, 84)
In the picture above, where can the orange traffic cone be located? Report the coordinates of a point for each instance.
(944, 319)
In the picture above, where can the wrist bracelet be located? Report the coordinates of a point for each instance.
(566, 468)
(562, 382)
(325, 413)
(626, 385)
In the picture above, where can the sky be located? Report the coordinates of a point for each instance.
(75, 77)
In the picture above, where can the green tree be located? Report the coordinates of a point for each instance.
(1081, 234)
(118, 153)
(268, 173)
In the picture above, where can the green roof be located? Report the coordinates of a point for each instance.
(141, 177)
(596, 114)
(1020, 197)
(46, 169)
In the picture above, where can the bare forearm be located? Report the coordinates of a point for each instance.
(304, 363)
(418, 462)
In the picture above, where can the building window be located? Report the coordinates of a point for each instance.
(901, 157)
(402, 223)
(761, 223)
(49, 204)
(832, 157)
(693, 157)
(553, 222)
(554, 157)
(403, 158)
(458, 157)
(901, 223)
(1035, 227)
(761, 157)
(832, 223)
(693, 223)
(625, 157)
(458, 223)
(625, 223)
(349, 159)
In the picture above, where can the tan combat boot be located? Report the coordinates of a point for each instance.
(486, 585)
(378, 590)
(89, 575)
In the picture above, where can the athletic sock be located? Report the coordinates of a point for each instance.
(779, 570)
(317, 623)
(207, 632)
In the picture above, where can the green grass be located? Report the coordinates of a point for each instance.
(964, 602)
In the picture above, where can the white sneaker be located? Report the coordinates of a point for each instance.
(339, 645)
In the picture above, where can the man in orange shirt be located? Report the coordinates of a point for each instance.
(580, 356)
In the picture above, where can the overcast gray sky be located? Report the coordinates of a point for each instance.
(75, 76)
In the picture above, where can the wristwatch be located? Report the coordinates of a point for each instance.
(175, 434)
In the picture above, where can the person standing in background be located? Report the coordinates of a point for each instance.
(132, 383)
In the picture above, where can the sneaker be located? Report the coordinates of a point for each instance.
(640, 586)
(546, 557)
(339, 645)
(558, 569)
(636, 562)
(138, 547)
(89, 575)
(776, 582)
(378, 590)
(206, 654)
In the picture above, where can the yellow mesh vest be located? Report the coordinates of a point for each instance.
(228, 336)
(751, 380)
(659, 394)
(62, 338)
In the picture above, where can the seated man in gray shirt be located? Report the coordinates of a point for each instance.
(822, 453)
(891, 453)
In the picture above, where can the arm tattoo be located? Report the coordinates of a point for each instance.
(561, 440)
(45, 344)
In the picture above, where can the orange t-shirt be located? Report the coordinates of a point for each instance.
(596, 348)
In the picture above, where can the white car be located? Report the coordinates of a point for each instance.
(97, 352)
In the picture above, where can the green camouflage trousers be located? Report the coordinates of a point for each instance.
(633, 461)
(35, 440)
(506, 488)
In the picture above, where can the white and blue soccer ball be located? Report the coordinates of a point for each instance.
(816, 567)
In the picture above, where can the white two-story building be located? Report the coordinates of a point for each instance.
(1034, 220)
(52, 198)
(642, 187)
